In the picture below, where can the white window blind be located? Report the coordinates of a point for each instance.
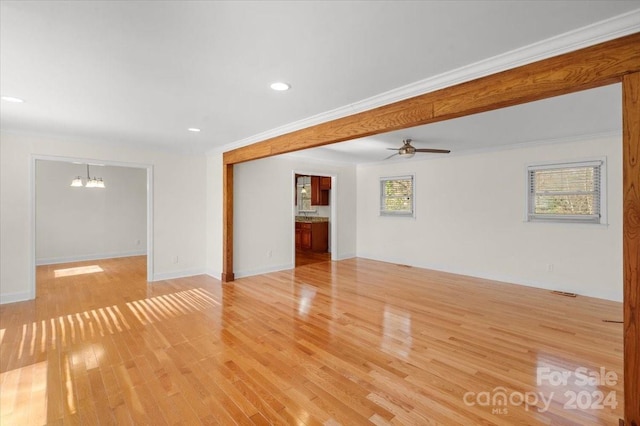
(396, 196)
(565, 192)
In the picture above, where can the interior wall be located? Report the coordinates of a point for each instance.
(179, 194)
(78, 223)
(214, 215)
(264, 208)
(470, 219)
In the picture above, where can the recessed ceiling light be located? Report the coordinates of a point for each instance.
(12, 99)
(280, 86)
(193, 129)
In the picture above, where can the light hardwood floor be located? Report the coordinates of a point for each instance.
(349, 342)
(306, 257)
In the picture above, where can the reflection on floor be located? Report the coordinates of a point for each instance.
(349, 342)
(307, 257)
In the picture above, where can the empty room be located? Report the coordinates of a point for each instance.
(320, 212)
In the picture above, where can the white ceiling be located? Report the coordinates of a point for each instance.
(142, 72)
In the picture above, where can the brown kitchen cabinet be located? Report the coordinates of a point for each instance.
(319, 196)
(312, 236)
(325, 183)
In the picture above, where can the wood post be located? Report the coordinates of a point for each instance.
(227, 223)
(631, 245)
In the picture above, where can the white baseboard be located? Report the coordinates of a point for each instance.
(344, 256)
(495, 277)
(95, 256)
(15, 297)
(259, 271)
(213, 274)
(178, 274)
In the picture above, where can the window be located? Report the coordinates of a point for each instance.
(568, 192)
(303, 186)
(396, 196)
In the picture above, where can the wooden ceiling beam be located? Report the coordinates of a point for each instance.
(594, 66)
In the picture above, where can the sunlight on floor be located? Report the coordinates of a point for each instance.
(23, 399)
(80, 270)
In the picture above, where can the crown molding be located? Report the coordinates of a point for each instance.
(599, 32)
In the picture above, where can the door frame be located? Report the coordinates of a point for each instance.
(84, 160)
(333, 203)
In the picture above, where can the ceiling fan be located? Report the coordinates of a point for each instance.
(407, 150)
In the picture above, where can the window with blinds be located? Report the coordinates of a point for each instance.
(565, 192)
(396, 196)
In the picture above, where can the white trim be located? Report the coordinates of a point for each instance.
(15, 297)
(412, 214)
(213, 273)
(583, 162)
(333, 220)
(178, 274)
(506, 279)
(609, 29)
(150, 247)
(550, 165)
(345, 256)
(95, 256)
(266, 270)
(32, 208)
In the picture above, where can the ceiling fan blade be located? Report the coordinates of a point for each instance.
(392, 155)
(395, 149)
(435, 151)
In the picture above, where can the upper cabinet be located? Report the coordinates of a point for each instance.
(325, 183)
(320, 187)
(312, 191)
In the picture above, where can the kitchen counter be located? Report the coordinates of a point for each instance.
(311, 219)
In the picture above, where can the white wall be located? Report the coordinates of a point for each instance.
(78, 223)
(470, 219)
(179, 203)
(214, 215)
(264, 209)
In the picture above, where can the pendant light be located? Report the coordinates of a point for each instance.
(91, 182)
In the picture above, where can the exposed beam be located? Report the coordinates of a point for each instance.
(594, 66)
(631, 249)
(227, 221)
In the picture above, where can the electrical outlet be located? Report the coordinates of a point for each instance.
(138, 242)
(269, 253)
(176, 260)
(550, 267)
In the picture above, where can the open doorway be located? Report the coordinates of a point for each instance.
(314, 218)
(90, 217)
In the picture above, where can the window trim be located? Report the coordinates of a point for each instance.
(386, 213)
(545, 165)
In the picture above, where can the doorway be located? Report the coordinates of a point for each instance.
(86, 211)
(314, 218)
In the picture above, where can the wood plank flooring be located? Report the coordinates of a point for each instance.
(307, 257)
(349, 342)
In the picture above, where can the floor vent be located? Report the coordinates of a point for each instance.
(564, 293)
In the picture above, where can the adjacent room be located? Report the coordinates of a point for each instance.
(319, 213)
